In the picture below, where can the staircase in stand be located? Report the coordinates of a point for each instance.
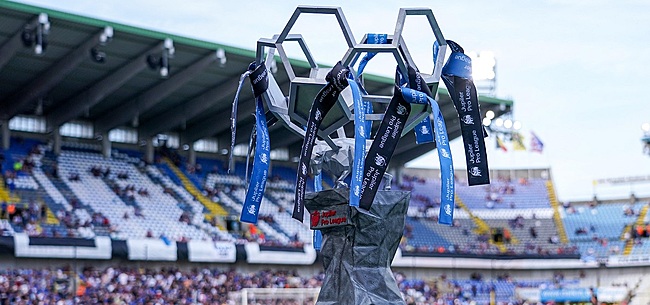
(557, 217)
(481, 226)
(214, 208)
(629, 245)
(5, 196)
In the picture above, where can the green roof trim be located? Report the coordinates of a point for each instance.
(191, 41)
(123, 28)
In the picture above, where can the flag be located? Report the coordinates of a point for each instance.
(518, 141)
(501, 145)
(536, 144)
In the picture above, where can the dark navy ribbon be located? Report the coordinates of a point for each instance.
(447, 203)
(255, 192)
(457, 75)
(382, 148)
(324, 101)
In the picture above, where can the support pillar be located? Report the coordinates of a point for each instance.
(56, 134)
(106, 145)
(149, 151)
(399, 173)
(6, 135)
(191, 158)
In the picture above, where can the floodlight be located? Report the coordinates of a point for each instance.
(645, 127)
(486, 122)
(221, 55)
(37, 36)
(106, 36)
(489, 114)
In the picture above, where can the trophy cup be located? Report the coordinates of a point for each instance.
(359, 242)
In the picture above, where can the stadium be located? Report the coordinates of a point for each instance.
(115, 190)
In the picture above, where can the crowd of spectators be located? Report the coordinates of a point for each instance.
(133, 286)
(139, 286)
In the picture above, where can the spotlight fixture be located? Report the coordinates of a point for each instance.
(221, 55)
(97, 56)
(95, 53)
(36, 36)
(645, 127)
(162, 63)
(106, 36)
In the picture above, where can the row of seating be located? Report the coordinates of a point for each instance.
(159, 212)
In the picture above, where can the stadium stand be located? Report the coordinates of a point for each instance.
(85, 198)
(88, 195)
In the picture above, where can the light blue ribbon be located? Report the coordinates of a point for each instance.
(362, 128)
(447, 204)
(317, 238)
(360, 135)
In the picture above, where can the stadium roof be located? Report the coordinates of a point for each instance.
(65, 83)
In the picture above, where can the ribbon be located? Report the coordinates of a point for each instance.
(447, 204)
(371, 39)
(382, 148)
(324, 101)
(360, 135)
(233, 118)
(317, 238)
(457, 75)
(422, 130)
(255, 191)
(362, 128)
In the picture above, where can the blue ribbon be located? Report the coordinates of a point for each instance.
(371, 39)
(423, 129)
(447, 204)
(360, 135)
(362, 128)
(459, 65)
(256, 187)
(317, 238)
(423, 132)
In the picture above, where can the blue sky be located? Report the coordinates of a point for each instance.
(576, 70)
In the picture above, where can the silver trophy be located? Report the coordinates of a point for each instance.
(359, 272)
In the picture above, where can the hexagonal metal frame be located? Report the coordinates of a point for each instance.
(275, 99)
(418, 111)
(285, 107)
(317, 77)
(434, 77)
